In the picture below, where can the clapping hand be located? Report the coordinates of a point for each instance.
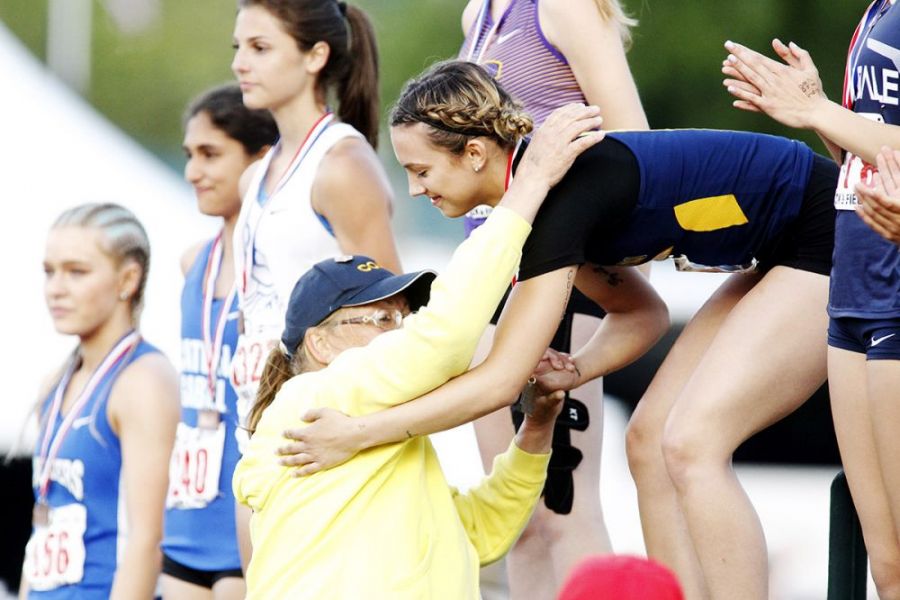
(787, 92)
(879, 200)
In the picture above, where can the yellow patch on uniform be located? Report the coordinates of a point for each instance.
(710, 214)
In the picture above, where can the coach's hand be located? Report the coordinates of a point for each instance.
(329, 440)
(567, 132)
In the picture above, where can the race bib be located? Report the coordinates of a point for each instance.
(55, 553)
(195, 466)
(247, 366)
(248, 363)
(853, 171)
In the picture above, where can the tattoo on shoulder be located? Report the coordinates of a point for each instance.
(409, 435)
(612, 279)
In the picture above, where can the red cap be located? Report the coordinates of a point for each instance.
(620, 578)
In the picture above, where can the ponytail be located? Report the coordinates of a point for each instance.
(358, 90)
(279, 368)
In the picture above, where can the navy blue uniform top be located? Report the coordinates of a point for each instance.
(205, 538)
(865, 279)
(718, 198)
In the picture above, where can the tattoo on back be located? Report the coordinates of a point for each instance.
(612, 279)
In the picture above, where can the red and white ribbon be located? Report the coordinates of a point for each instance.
(50, 445)
(213, 336)
(309, 142)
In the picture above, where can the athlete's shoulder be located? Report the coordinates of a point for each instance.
(556, 15)
(349, 158)
(149, 384)
(152, 370)
(247, 177)
(189, 257)
(469, 14)
(50, 380)
(349, 174)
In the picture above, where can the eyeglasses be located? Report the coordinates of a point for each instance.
(382, 319)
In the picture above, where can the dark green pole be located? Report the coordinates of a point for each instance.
(847, 560)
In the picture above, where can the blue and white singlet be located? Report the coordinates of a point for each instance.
(199, 527)
(76, 558)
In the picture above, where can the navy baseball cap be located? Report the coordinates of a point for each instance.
(346, 281)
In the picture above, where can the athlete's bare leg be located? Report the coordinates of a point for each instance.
(242, 514)
(177, 589)
(853, 405)
(229, 588)
(665, 530)
(551, 543)
(767, 358)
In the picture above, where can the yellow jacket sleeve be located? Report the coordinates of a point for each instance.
(434, 345)
(495, 512)
(437, 342)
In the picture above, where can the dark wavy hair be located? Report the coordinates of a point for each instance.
(254, 129)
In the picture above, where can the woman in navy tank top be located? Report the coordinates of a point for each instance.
(107, 421)
(201, 560)
(864, 299)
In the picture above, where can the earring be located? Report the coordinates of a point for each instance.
(475, 167)
(123, 296)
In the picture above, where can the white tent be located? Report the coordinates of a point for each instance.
(56, 152)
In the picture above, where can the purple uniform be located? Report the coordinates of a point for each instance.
(516, 53)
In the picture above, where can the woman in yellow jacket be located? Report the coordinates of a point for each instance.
(386, 524)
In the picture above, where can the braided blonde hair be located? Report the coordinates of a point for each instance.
(459, 100)
(124, 239)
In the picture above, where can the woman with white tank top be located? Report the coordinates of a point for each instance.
(320, 191)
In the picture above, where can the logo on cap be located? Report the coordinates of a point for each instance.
(367, 266)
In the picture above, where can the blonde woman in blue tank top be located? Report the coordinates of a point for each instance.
(107, 419)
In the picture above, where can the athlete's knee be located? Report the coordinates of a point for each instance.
(559, 529)
(886, 575)
(531, 540)
(687, 455)
(643, 446)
